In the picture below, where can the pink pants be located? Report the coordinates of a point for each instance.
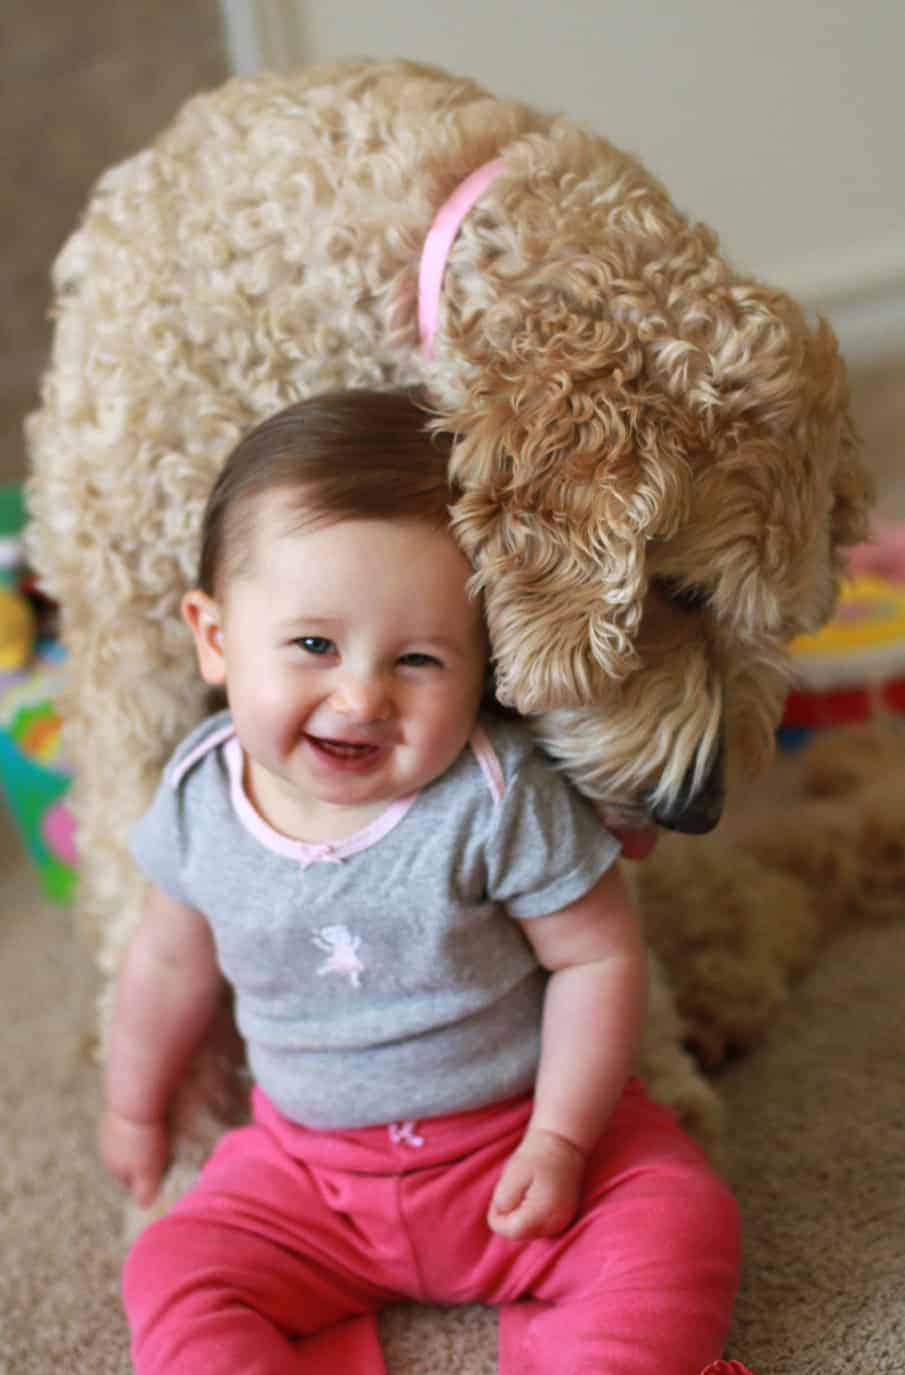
(278, 1260)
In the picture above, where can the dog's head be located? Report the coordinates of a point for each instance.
(655, 493)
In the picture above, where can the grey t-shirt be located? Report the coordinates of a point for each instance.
(381, 978)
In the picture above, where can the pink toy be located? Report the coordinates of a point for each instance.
(883, 555)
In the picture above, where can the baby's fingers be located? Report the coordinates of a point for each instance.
(512, 1187)
(135, 1154)
(525, 1205)
(144, 1187)
(535, 1197)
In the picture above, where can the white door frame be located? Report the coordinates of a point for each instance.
(263, 34)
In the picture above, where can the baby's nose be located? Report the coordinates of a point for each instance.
(362, 697)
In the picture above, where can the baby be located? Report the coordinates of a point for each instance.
(437, 974)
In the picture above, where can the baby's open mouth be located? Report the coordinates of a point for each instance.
(343, 749)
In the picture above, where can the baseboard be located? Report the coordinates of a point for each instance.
(870, 324)
(860, 290)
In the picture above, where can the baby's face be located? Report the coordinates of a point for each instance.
(354, 663)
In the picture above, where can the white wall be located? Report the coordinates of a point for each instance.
(780, 122)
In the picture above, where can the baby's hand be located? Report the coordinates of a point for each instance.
(135, 1153)
(537, 1193)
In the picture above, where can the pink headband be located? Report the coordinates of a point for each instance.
(438, 243)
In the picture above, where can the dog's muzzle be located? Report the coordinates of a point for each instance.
(696, 811)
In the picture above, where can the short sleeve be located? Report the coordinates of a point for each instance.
(157, 842)
(548, 847)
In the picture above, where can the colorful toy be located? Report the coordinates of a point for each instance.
(12, 523)
(34, 775)
(17, 630)
(854, 668)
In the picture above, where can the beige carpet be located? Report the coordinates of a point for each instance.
(816, 1141)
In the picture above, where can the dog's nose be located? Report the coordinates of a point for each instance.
(696, 812)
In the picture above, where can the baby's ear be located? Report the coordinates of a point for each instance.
(202, 615)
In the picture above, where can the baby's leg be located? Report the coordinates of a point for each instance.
(643, 1283)
(251, 1272)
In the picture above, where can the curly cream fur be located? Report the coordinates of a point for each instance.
(628, 410)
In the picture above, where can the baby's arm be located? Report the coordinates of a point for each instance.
(166, 993)
(593, 1013)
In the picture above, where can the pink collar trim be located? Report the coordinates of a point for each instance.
(438, 243)
(489, 763)
(302, 851)
(177, 772)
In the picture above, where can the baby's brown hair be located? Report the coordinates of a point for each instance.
(344, 455)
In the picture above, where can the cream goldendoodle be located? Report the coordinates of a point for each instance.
(657, 459)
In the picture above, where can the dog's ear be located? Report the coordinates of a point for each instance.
(567, 469)
(835, 434)
(853, 493)
(783, 488)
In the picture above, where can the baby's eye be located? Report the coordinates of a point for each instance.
(315, 644)
(416, 660)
